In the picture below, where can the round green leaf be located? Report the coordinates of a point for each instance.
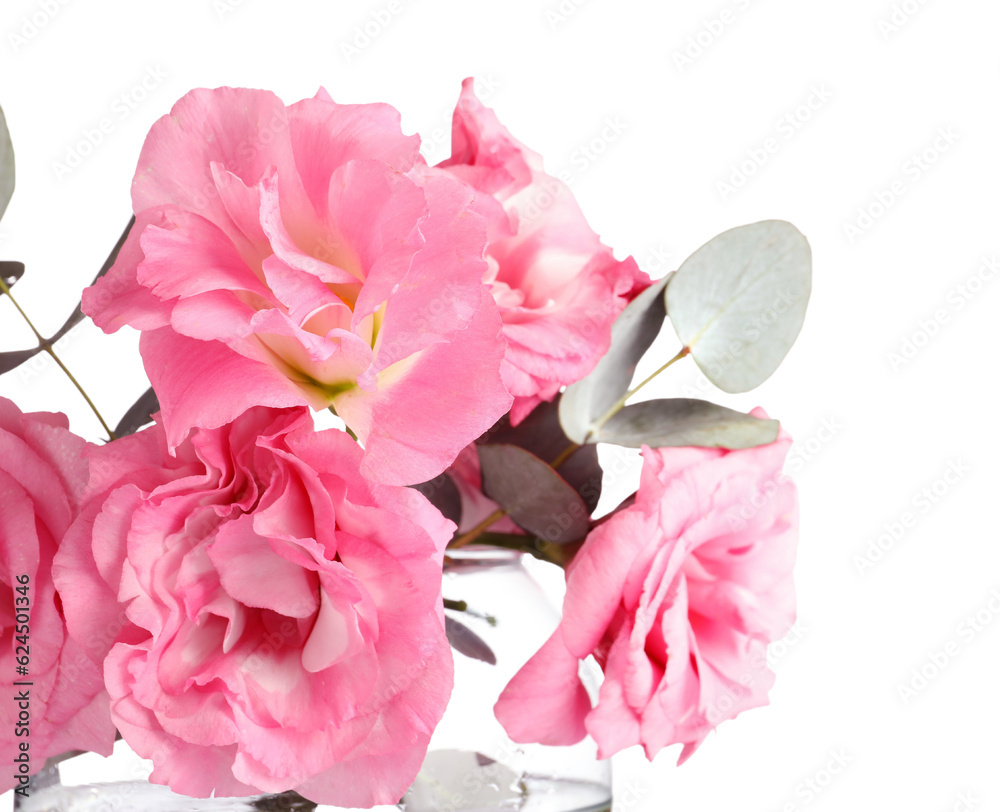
(739, 301)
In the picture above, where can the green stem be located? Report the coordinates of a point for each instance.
(475, 532)
(44, 344)
(618, 404)
(80, 389)
(462, 606)
(346, 427)
(560, 554)
(565, 454)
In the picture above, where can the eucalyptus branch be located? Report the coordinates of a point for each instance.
(45, 345)
(477, 532)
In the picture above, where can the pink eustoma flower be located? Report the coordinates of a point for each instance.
(301, 255)
(677, 597)
(62, 704)
(284, 623)
(558, 286)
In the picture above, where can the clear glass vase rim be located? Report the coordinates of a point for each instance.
(481, 556)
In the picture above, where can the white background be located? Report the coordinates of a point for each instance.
(875, 435)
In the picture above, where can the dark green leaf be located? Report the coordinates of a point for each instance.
(442, 492)
(139, 414)
(467, 642)
(686, 422)
(634, 331)
(534, 496)
(541, 434)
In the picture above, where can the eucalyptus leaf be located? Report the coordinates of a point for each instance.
(6, 165)
(739, 301)
(467, 642)
(14, 359)
(442, 492)
(139, 414)
(587, 401)
(686, 422)
(11, 273)
(534, 496)
(541, 434)
(288, 801)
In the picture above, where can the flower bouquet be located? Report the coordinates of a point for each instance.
(257, 606)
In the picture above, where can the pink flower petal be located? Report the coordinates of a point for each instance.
(546, 702)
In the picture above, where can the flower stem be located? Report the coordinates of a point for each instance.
(347, 428)
(471, 535)
(560, 554)
(463, 606)
(565, 454)
(44, 344)
(86, 397)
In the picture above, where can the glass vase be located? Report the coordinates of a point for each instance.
(472, 765)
